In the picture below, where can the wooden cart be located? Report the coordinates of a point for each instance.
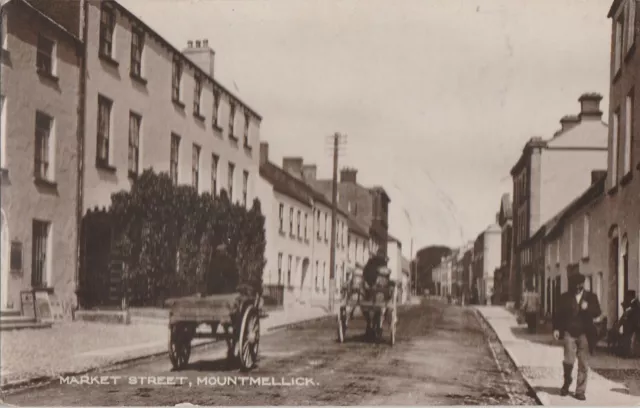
(378, 305)
(233, 317)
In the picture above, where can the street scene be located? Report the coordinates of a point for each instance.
(319, 203)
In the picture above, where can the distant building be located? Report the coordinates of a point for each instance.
(503, 274)
(394, 253)
(486, 259)
(370, 206)
(40, 71)
(549, 175)
(623, 164)
(406, 280)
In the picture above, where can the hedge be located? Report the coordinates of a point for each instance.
(171, 238)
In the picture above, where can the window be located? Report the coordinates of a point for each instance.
(195, 166)
(628, 133)
(197, 95)
(619, 32)
(558, 251)
(214, 174)
(137, 45)
(45, 58)
(281, 217)
(299, 225)
(631, 24)
(317, 273)
(324, 275)
(3, 131)
(291, 221)
(318, 235)
(176, 80)
(216, 108)
(16, 257)
(280, 268)
(175, 155)
(232, 119)
(326, 227)
(585, 235)
(289, 270)
(230, 175)
(134, 142)
(615, 147)
(39, 253)
(104, 130)
(306, 231)
(245, 186)
(107, 25)
(42, 160)
(246, 129)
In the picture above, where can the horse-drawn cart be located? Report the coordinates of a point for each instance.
(378, 304)
(234, 318)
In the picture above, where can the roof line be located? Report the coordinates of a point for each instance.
(46, 17)
(193, 65)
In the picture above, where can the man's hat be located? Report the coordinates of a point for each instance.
(576, 279)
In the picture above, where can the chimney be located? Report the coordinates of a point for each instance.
(569, 121)
(597, 175)
(293, 166)
(264, 152)
(348, 175)
(498, 218)
(201, 55)
(309, 172)
(590, 106)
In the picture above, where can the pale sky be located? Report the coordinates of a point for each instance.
(437, 97)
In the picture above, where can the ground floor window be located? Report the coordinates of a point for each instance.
(39, 253)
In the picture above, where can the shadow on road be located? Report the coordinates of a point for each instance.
(221, 364)
(548, 390)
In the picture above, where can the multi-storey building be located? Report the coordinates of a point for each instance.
(406, 280)
(551, 173)
(148, 105)
(357, 245)
(573, 244)
(40, 74)
(370, 206)
(623, 168)
(505, 221)
(394, 253)
(298, 229)
(486, 259)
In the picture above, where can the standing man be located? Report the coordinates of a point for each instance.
(573, 323)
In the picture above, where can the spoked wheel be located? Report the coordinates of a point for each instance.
(342, 324)
(249, 341)
(179, 346)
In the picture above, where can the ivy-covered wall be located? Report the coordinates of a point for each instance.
(178, 243)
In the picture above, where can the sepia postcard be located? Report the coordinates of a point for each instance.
(305, 202)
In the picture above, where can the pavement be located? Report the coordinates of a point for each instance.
(33, 356)
(612, 381)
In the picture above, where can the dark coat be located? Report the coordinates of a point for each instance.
(573, 318)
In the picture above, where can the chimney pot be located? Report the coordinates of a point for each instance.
(348, 175)
(205, 43)
(569, 121)
(264, 152)
(590, 106)
(190, 44)
(197, 43)
(309, 172)
(293, 166)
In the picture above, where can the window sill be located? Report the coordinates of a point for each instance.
(5, 55)
(248, 148)
(630, 52)
(178, 103)
(42, 288)
(48, 76)
(617, 75)
(217, 127)
(626, 179)
(109, 60)
(585, 258)
(138, 78)
(40, 182)
(198, 116)
(613, 190)
(234, 140)
(4, 174)
(106, 167)
(282, 234)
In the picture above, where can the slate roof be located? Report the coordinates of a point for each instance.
(286, 184)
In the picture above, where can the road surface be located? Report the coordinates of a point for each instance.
(444, 355)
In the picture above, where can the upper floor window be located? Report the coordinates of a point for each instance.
(245, 187)
(197, 95)
(291, 221)
(628, 132)
(306, 231)
(585, 235)
(247, 120)
(615, 147)
(195, 166)
(104, 130)
(107, 26)
(230, 175)
(232, 119)
(176, 90)
(318, 234)
(3, 131)
(134, 142)
(326, 227)
(631, 24)
(175, 156)
(299, 225)
(42, 159)
(619, 40)
(137, 45)
(214, 174)
(216, 108)
(281, 217)
(45, 60)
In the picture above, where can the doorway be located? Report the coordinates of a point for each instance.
(623, 272)
(4, 260)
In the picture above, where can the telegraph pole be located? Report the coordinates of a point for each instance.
(334, 221)
(414, 275)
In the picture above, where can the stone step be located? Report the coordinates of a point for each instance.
(16, 319)
(10, 312)
(24, 325)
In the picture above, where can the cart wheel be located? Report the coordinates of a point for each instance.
(179, 346)
(342, 324)
(249, 340)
